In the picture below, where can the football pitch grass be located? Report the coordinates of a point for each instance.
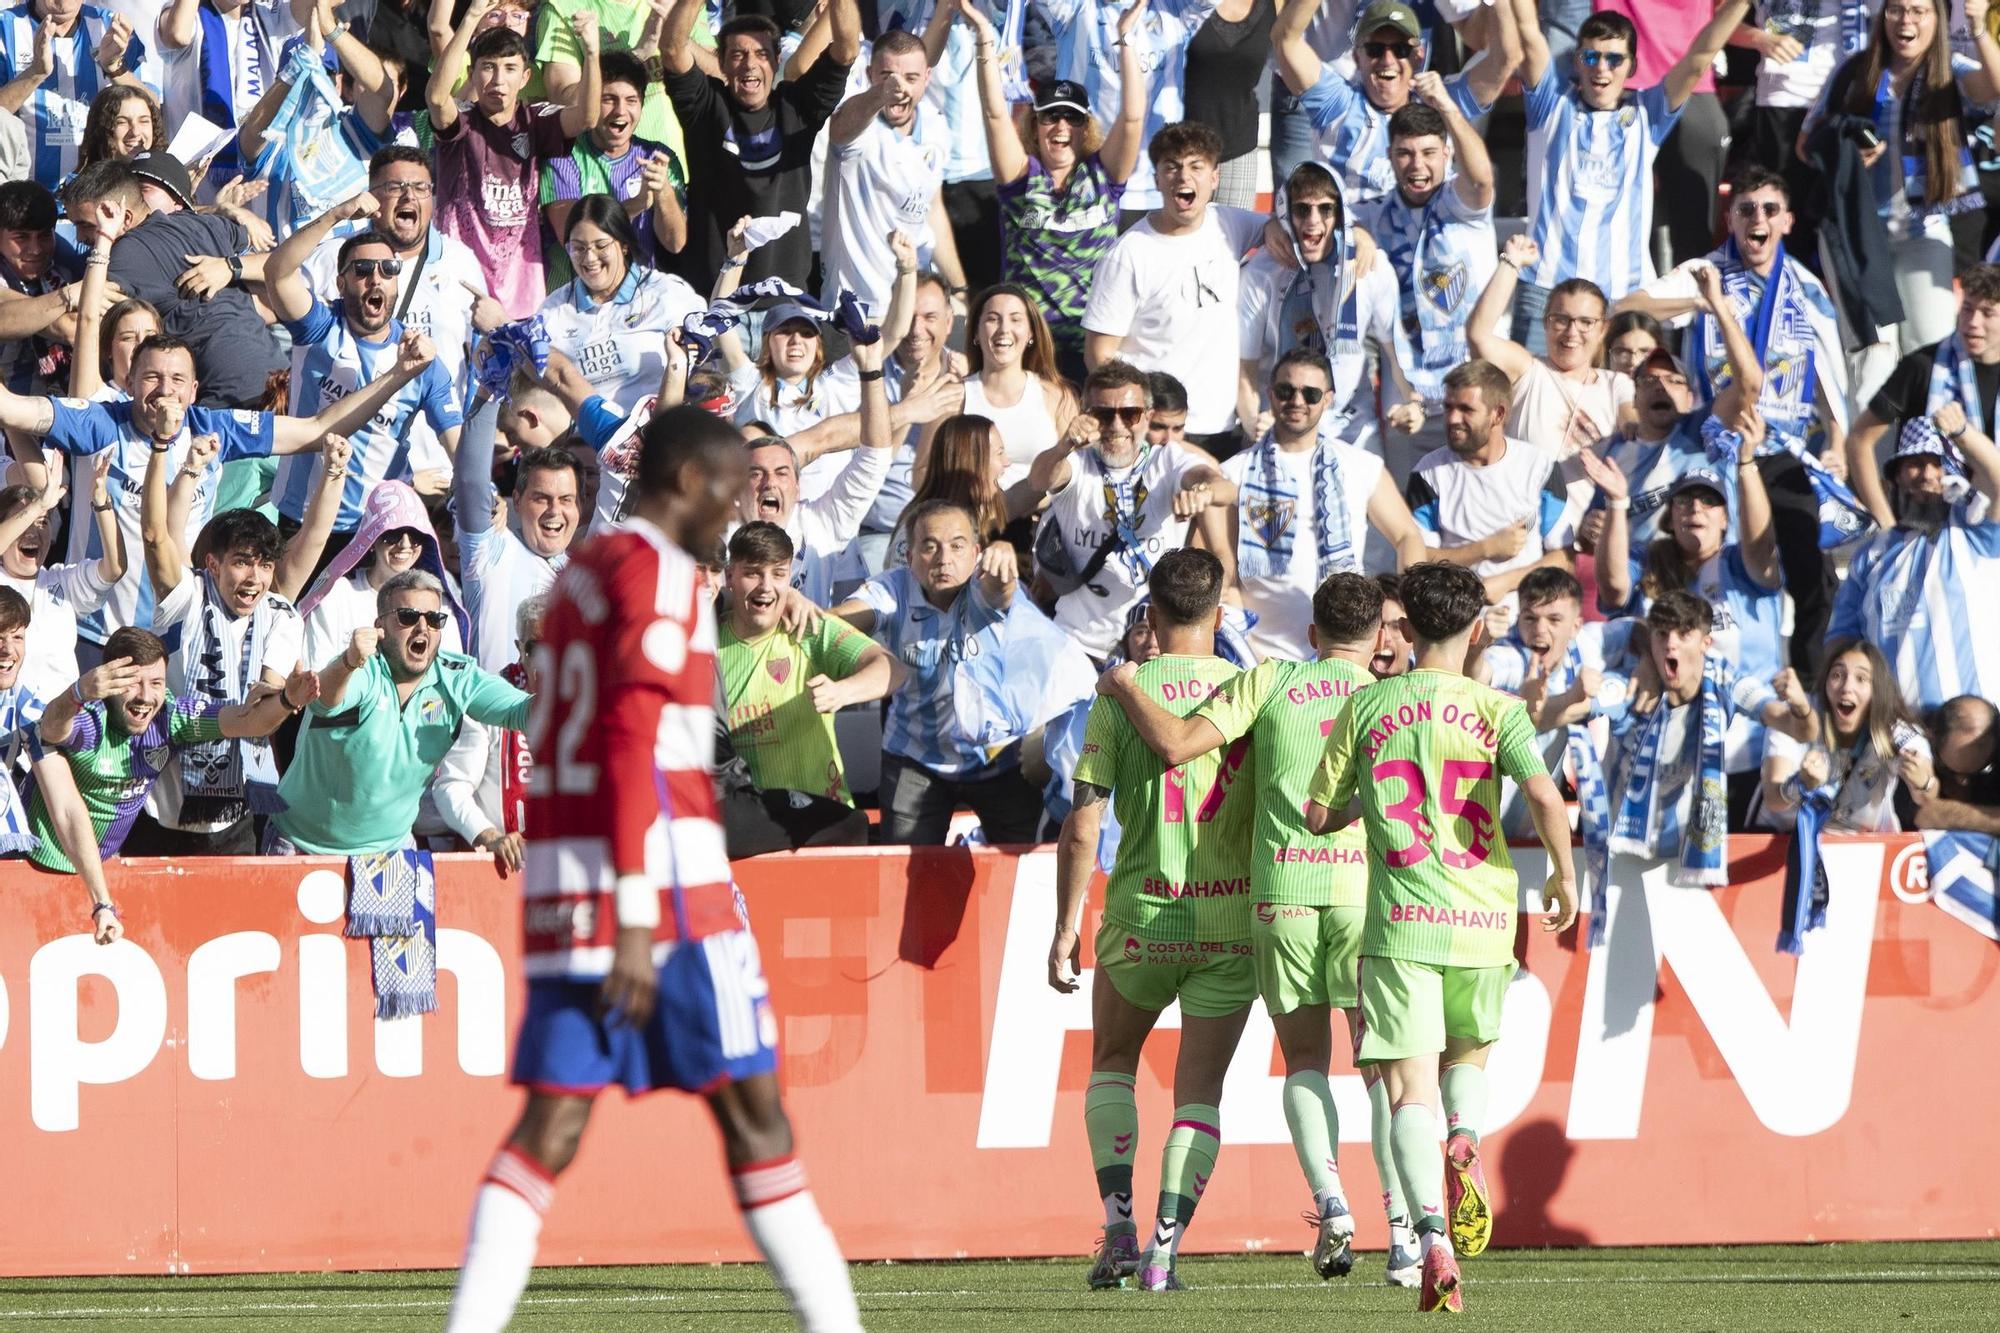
(1792, 1287)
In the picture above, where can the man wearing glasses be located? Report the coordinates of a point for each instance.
(389, 707)
(1352, 113)
(337, 348)
(1591, 147)
(1116, 505)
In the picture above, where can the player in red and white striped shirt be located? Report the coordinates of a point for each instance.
(641, 969)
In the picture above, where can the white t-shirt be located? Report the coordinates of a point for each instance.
(1377, 307)
(788, 407)
(1173, 299)
(1813, 24)
(1545, 404)
(620, 344)
(1283, 602)
(1096, 620)
(1025, 429)
(883, 181)
(1866, 799)
(55, 596)
(1456, 503)
(283, 644)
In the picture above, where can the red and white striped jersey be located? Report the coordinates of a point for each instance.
(623, 734)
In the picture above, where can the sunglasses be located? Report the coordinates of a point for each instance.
(1326, 210)
(1400, 50)
(1131, 416)
(1608, 59)
(1750, 209)
(1059, 116)
(1305, 393)
(403, 537)
(408, 616)
(365, 269)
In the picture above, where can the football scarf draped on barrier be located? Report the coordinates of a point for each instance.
(1649, 827)
(392, 903)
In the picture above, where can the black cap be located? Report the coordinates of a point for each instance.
(165, 171)
(1063, 95)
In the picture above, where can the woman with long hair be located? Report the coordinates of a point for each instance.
(1631, 337)
(124, 121)
(612, 318)
(1012, 380)
(1866, 742)
(967, 460)
(1060, 177)
(1907, 83)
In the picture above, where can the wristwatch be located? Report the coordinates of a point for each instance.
(235, 263)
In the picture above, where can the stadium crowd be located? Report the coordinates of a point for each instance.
(1676, 323)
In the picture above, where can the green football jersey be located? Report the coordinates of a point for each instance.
(1183, 868)
(1427, 751)
(1288, 709)
(787, 743)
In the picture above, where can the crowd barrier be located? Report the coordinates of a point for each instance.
(213, 1094)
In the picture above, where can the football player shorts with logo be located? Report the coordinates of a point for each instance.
(1211, 980)
(1409, 1009)
(1306, 955)
(712, 1024)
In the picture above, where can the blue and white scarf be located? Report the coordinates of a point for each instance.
(1915, 128)
(1843, 519)
(1803, 316)
(1961, 867)
(1432, 278)
(522, 344)
(1953, 379)
(309, 146)
(1806, 890)
(223, 779)
(703, 327)
(1322, 294)
(1267, 509)
(1013, 73)
(1593, 800)
(20, 744)
(392, 903)
(1650, 827)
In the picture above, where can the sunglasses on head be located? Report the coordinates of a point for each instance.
(1400, 50)
(364, 269)
(1305, 393)
(1608, 59)
(1131, 416)
(1751, 209)
(408, 616)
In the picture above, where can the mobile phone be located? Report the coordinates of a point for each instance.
(1868, 138)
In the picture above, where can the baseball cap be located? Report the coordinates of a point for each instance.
(165, 171)
(785, 312)
(1389, 14)
(1699, 479)
(1063, 95)
(1660, 356)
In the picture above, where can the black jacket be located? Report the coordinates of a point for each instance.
(1853, 238)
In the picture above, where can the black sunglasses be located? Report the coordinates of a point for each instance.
(1326, 210)
(1132, 416)
(1376, 50)
(364, 269)
(1305, 393)
(408, 616)
(1059, 115)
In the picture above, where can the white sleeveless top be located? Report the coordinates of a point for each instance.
(1026, 428)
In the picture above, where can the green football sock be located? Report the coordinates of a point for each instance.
(1393, 1202)
(1185, 1166)
(1413, 1139)
(1464, 1089)
(1111, 1123)
(1315, 1126)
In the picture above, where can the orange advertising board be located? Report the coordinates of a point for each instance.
(214, 1094)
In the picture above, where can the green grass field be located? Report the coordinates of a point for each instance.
(1903, 1286)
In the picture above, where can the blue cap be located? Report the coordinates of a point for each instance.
(1699, 479)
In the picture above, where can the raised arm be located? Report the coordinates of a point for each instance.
(1614, 547)
(1983, 84)
(166, 556)
(266, 709)
(472, 488)
(580, 115)
(1708, 43)
(116, 678)
(1474, 181)
(843, 47)
(1482, 329)
(1003, 142)
(345, 416)
(1862, 472)
(1534, 46)
(86, 353)
(177, 25)
(1748, 385)
(1175, 739)
(1982, 457)
(1487, 75)
(1755, 530)
(301, 554)
(439, 96)
(1298, 63)
(1127, 136)
(677, 38)
(285, 281)
(851, 117)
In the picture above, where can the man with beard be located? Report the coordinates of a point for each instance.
(1324, 304)
(749, 136)
(150, 250)
(823, 528)
(389, 708)
(1907, 589)
(338, 349)
(886, 154)
(499, 567)
(1486, 500)
(1304, 507)
(1796, 344)
(119, 726)
(1352, 112)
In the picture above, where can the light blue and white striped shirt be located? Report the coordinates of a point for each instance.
(330, 362)
(1086, 33)
(922, 725)
(55, 115)
(1354, 132)
(1590, 183)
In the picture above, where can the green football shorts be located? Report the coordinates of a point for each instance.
(1211, 979)
(1306, 955)
(1408, 1009)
